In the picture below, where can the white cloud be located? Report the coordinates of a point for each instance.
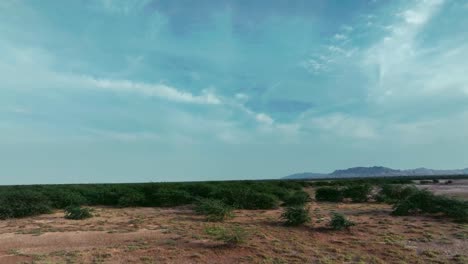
(153, 90)
(124, 136)
(402, 67)
(343, 125)
(123, 7)
(340, 37)
(264, 118)
(314, 66)
(347, 28)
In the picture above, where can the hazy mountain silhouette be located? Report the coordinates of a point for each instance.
(375, 171)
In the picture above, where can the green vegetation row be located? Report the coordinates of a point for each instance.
(406, 199)
(22, 201)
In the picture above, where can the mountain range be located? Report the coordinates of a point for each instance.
(375, 171)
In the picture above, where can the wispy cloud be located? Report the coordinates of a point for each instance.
(154, 90)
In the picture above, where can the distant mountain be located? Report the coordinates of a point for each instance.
(376, 171)
(365, 172)
(306, 175)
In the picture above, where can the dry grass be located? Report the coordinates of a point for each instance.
(177, 235)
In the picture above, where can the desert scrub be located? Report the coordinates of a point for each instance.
(77, 213)
(392, 193)
(246, 198)
(297, 198)
(329, 194)
(232, 236)
(423, 201)
(358, 193)
(169, 197)
(131, 199)
(214, 210)
(295, 215)
(340, 222)
(63, 198)
(22, 203)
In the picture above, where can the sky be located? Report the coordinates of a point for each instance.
(164, 90)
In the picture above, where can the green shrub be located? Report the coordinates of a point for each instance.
(339, 222)
(423, 201)
(200, 189)
(358, 193)
(22, 203)
(295, 215)
(297, 198)
(230, 236)
(329, 194)
(392, 193)
(215, 210)
(246, 198)
(63, 198)
(131, 199)
(77, 213)
(170, 197)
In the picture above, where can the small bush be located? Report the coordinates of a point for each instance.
(230, 236)
(22, 203)
(329, 194)
(297, 198)
(358, 193)
(339, 222)
(296, 215)
(77, 213)
(215, 210)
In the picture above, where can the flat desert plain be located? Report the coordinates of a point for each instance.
(179, 235)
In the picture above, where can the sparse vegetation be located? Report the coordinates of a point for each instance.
(215, 210)
(340, 222)
(296, 215)
(232, 236)
(77, 213)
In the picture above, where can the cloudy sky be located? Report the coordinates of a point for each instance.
(156, 90)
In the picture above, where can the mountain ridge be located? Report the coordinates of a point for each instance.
(376, 171)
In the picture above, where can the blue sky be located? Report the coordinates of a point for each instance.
(154, 90)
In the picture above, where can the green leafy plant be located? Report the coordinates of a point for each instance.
(77, 213)
(340, 222)
(215, 210)
(295, 215)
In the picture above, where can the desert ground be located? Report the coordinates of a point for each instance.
(178, 235)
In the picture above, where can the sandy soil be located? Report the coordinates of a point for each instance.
(458, 188)
(177, 235)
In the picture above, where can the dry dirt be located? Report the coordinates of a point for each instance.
(177, 235)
